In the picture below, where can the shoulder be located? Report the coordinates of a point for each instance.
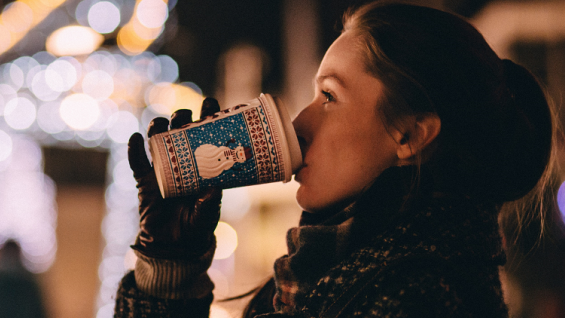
(423, 286)
(409, 288)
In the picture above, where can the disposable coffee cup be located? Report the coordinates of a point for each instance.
(247, 144)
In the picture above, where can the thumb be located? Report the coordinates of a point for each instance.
(207, 210)
(137, 157)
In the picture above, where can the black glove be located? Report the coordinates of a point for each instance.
(172, 228)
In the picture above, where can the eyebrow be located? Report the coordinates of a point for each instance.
(333, 76)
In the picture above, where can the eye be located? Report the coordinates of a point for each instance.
(329, 97)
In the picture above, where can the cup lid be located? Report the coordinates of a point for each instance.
(290, 140)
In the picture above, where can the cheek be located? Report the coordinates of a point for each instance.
(344, 163)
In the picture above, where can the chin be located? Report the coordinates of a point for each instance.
(313, 202)
(307, 200)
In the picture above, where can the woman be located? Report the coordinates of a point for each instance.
(416, 136)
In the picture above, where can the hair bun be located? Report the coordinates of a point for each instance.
(528, 133)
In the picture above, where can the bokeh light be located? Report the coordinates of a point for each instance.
(75, 93)
(152, 13)
(20, 113)
(49, 119)
(61, 75)
(165, 98)
(5, 145)
(33, 226)
(121, 126)
(101, 61)
(163, 68)
(41, 88)
(16, 75)
(145, 25)
(79, 111)
(104, 17)
(44, 57)
(98, 84)
(26, 64)
(226, 238)
(5, 39)
(7, 93)
(235, 204)
(123, 176)
(73, 40)
(17, 16)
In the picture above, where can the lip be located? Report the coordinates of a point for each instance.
(299, 173)
(303, 148)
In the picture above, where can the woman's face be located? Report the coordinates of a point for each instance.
(344, 143)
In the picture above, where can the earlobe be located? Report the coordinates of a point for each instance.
(423, 131)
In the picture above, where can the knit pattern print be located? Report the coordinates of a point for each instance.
(133, 303)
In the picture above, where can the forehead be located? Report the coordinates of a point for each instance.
(343, 60)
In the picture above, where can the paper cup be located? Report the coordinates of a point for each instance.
(248, 144)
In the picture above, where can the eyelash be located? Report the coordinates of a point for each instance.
(329, 96)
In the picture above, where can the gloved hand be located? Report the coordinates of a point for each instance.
(172, 228)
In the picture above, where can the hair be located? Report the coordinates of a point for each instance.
(495, 119)
(498, 139)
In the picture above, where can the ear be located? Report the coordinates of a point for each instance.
(421, 131)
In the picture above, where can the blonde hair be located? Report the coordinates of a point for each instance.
(534, 220)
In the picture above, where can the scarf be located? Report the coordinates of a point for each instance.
(320, 242)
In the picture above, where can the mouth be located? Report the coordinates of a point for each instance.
(298, 175)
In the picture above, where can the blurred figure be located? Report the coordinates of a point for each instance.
(20, 295)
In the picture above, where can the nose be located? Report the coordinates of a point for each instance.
(305, 125)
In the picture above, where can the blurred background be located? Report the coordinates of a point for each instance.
(77, 78)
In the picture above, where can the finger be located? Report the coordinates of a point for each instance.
(207, 210)
(137, 157)
(210, 106)
(157, 126)
(180, 118)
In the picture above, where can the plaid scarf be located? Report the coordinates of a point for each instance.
(321, 242)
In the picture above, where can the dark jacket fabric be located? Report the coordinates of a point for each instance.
(433, 256)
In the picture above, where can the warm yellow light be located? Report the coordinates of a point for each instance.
(145, 25)
(165, 98)
(17, 17)
(21, 16)
(5, 39)
(47, 4)
(144, 32)
(226, 239)
(128, 85)
(130, 42)
(162, 98)
(73, 40)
